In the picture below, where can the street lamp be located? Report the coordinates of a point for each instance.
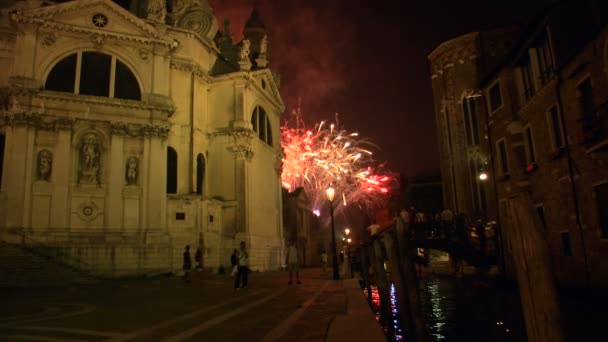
(347, 253)
(330, 197)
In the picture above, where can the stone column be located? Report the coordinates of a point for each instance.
(14, 177)
(62, 168)
(116, 181)
(156, 199)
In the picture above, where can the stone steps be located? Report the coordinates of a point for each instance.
(20, 267)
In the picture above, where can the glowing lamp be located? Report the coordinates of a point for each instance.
(347, 231)
(330, 192)
(349, 240)
(483, 176)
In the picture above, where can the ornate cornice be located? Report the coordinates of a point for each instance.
(236, 134)
(104, 101)
(36, 120)
(139, 130)
(49, 123)
(190, 68)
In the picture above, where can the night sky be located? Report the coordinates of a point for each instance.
(367, 61)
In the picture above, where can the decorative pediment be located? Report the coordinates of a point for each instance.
(101, 17)
(266, 83)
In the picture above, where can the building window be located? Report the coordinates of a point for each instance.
(566, 243)
(474, 184)
(482, 188)
(95, 74)
(171, 170)
(470, 119)
(544, 60)
(540, 210)
(261, 125)
(555, 126)
(495, 97)
(601, 202)
(501, 146)
(530, 155)
(200, 173)
(447, 129)
(527, 78)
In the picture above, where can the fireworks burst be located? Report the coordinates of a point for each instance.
(327, 155)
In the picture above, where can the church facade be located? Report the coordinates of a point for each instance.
(128, 134)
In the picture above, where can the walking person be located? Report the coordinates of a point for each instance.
(241, 280)
(324, 261)
(234, 262)
(293, 263)
(187, 264)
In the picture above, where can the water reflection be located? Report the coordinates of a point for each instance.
(467, 309)
(437, 321)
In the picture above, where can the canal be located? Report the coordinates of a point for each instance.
(468, 308)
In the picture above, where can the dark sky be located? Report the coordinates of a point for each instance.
(367, 61)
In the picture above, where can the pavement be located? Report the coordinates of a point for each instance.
(206, 308)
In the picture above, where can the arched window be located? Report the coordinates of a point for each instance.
(261, 125)
(98, 75)
(171, 170)
(200, 173)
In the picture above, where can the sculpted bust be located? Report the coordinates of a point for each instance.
(45, 164)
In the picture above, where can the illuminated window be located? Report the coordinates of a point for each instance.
(261, 125)
(93, 73)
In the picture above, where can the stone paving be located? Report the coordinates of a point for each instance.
(169, 309)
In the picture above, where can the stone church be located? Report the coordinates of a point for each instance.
(131, 131)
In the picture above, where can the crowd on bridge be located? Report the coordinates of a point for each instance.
(445, 225)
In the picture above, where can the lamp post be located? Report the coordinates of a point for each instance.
(330, 197)
(347, 254)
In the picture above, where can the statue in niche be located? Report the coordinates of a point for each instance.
(131, 171)
(244, 53)
(157, 10)
(45, 165)
(264, 46)
(90, 154)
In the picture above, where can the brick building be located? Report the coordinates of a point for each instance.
(536, 122)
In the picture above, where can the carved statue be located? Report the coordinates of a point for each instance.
(131, 171)
(45, 164)
(244, 53)
(157, 10)
(89, 159)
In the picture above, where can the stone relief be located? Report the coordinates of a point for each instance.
(242, 152)
(157, 10)
(48, 39)
(45, 165)
(131, 171)
(89, 155)
(87, 211)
